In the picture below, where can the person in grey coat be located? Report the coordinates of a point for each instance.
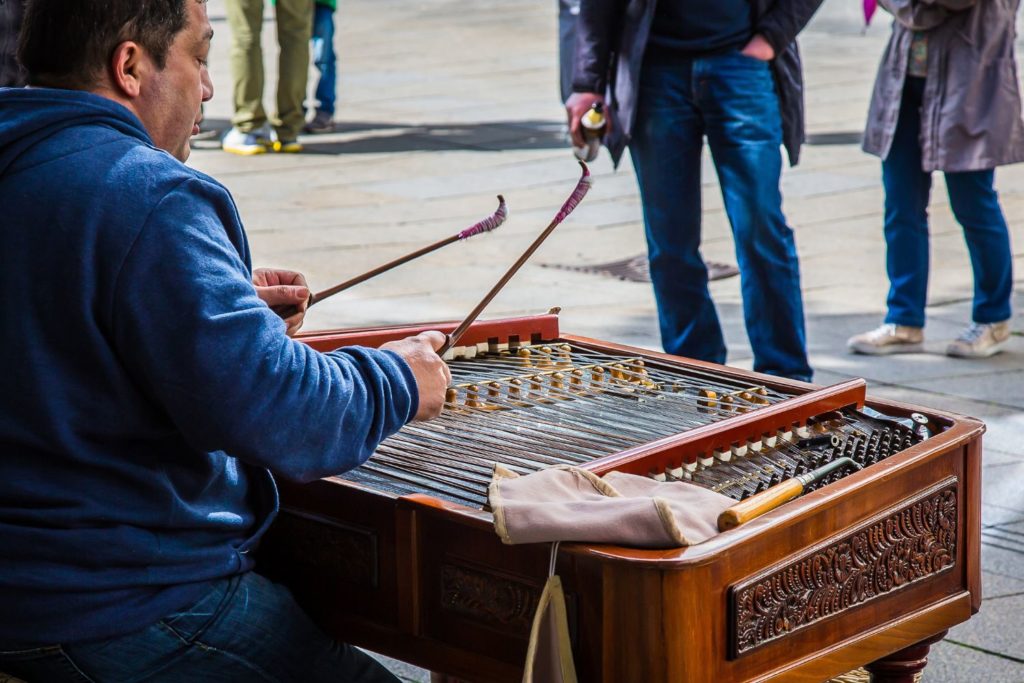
(946, 98)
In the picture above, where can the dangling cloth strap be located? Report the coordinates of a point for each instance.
(549, 656)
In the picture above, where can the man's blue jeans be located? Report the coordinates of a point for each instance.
(324, 58)
(976, 207)
(245, 630)
(731, 99)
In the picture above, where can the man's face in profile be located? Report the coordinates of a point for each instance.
(173, 96)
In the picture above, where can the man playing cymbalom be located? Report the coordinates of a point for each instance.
(151, 394)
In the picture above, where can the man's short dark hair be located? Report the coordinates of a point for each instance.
(69, 44)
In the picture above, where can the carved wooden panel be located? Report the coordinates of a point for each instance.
(489, 598)
(911, 543)
(344, 552)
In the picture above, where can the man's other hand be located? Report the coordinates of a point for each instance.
(578, 104)
(432, 373)
(281, 289)
(759, 48)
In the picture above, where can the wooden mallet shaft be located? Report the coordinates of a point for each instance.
(574, 199)
(763, 502)
(486, 225)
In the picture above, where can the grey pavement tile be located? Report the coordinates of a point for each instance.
(850, 219)
(949, 662)
(999, 557)
(995, 458)
(1008, 536)
(626, 325)
(994, 628)
(1002, 384)
(997, 586)
(809, 184)
(598, 245)
(598, 214)
(912, 370)
(497, 181)
(826, 273)
(1004, 432)
(1001, 579)
(855, 306)
(998, 514)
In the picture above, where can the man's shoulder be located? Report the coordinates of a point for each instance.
(121, 184)
(143, 156)
(103, 153)
(148, 174)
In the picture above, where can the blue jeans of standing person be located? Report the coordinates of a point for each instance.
(324, 58)
(976, 207)
(731, 99)
(244, 630)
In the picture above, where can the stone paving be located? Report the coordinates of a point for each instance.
(444, 104)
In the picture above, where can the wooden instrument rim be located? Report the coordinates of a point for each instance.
(326, 340)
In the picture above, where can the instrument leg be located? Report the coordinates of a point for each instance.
(903, 666)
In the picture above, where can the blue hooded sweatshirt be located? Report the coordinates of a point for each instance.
(137, 357)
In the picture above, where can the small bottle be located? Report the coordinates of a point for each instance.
(593, 124)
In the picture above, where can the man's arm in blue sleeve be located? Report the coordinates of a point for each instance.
(190, 327)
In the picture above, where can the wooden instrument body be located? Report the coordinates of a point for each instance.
(876, 562)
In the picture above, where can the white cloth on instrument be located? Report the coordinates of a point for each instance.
(566, 503)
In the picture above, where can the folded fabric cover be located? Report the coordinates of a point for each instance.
(565, 503)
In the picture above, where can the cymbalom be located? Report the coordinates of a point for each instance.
(867, 567)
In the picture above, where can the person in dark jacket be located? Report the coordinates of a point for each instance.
(152, 395)
(671, 72)
(11, 73)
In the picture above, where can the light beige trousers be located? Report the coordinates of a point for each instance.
(294, 28)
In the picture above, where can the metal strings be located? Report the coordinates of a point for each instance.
(757, 466)
(529, 407)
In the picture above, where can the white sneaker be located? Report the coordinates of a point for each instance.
(980, 340)
(888, 339)
(246, 144)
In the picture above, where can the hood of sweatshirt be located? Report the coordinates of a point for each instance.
(31, 115)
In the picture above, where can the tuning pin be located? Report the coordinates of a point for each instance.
(921, 428)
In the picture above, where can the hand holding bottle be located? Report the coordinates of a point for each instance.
(588, 123)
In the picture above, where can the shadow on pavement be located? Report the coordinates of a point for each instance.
(366, 137)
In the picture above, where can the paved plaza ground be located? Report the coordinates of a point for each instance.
(445, 103)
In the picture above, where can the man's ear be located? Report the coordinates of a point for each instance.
(128, 65)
